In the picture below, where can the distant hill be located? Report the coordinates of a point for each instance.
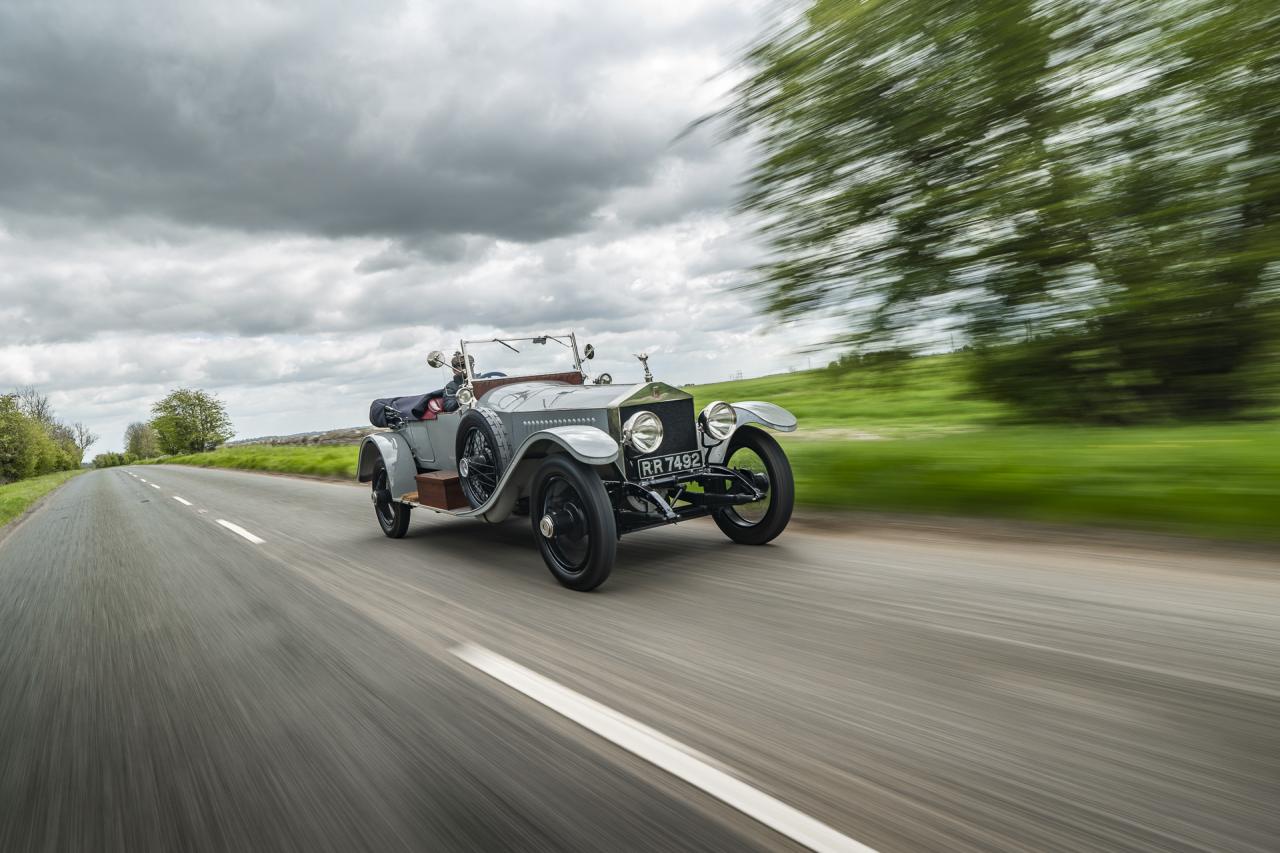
(346, 435)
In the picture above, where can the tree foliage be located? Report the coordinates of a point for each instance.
(1088, 192)
(35, 405)
(190, 421)
(110, 459)
(32, 440)
(140, 441)
(17, 437)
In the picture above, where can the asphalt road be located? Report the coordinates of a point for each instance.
(168, 683)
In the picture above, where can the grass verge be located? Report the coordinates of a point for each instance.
(315, 460)
(15, 498)
(1220, 481)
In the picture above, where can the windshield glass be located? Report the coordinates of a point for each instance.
(522, 356)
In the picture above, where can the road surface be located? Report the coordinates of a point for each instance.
(195, 659)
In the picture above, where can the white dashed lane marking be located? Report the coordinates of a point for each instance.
(240, 531)
(182, 501)
(153, 485)
(660, 750)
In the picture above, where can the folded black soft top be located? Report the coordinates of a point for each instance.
(410, 408)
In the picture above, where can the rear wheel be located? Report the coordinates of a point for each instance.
(757, 455)
(393, 516)
(573, 521)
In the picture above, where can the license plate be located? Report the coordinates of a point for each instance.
(656, 466)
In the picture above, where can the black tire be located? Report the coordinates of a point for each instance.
(762, 521)
(482, 453)
(584, 540)
(393, 516)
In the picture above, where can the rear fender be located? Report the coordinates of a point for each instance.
(394, 451)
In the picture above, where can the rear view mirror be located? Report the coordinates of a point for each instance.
(589, 353)
(435, 358)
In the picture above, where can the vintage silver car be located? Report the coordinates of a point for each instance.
(587, 460)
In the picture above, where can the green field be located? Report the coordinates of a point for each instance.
(314, 460)
(923, 396)
(942, 451)
(1221, 481)
(16, 497)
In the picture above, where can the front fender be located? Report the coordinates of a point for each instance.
(759, 412)
(753, 412)
(587, 444)
(394, 451)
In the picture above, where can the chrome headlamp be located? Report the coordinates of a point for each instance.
(718, 420)
(465, 396)
(643, 432)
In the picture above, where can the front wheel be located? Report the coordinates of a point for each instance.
(393, 516)
(755, 453)
(573, 521)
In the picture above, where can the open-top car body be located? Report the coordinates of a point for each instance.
(587, 460)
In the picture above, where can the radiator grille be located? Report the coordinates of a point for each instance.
(679, 430)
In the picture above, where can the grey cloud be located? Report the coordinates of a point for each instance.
(62, 289)
(437, 248)
(333, 122)
(388, 259)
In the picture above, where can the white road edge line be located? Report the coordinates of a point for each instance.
(182, 501)
(237, 529)
(658, 749)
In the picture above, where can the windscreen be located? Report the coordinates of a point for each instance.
(521, 357)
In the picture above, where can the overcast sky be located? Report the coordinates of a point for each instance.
(291, 207)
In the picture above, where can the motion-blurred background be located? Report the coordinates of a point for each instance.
(1077, 202)
(1082, 196)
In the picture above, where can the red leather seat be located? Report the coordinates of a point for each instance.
(434, 406)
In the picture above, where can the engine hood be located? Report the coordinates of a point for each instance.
(558, 396)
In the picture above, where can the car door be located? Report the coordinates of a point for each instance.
(444, 438)
(418, 434)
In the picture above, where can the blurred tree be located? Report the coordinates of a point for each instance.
(110, 460)
(32, 440)
(190, 421)
(19, 436)
(1089, 192)
(140, 441)
(59, 451)
(84, 437)
(35, 405)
